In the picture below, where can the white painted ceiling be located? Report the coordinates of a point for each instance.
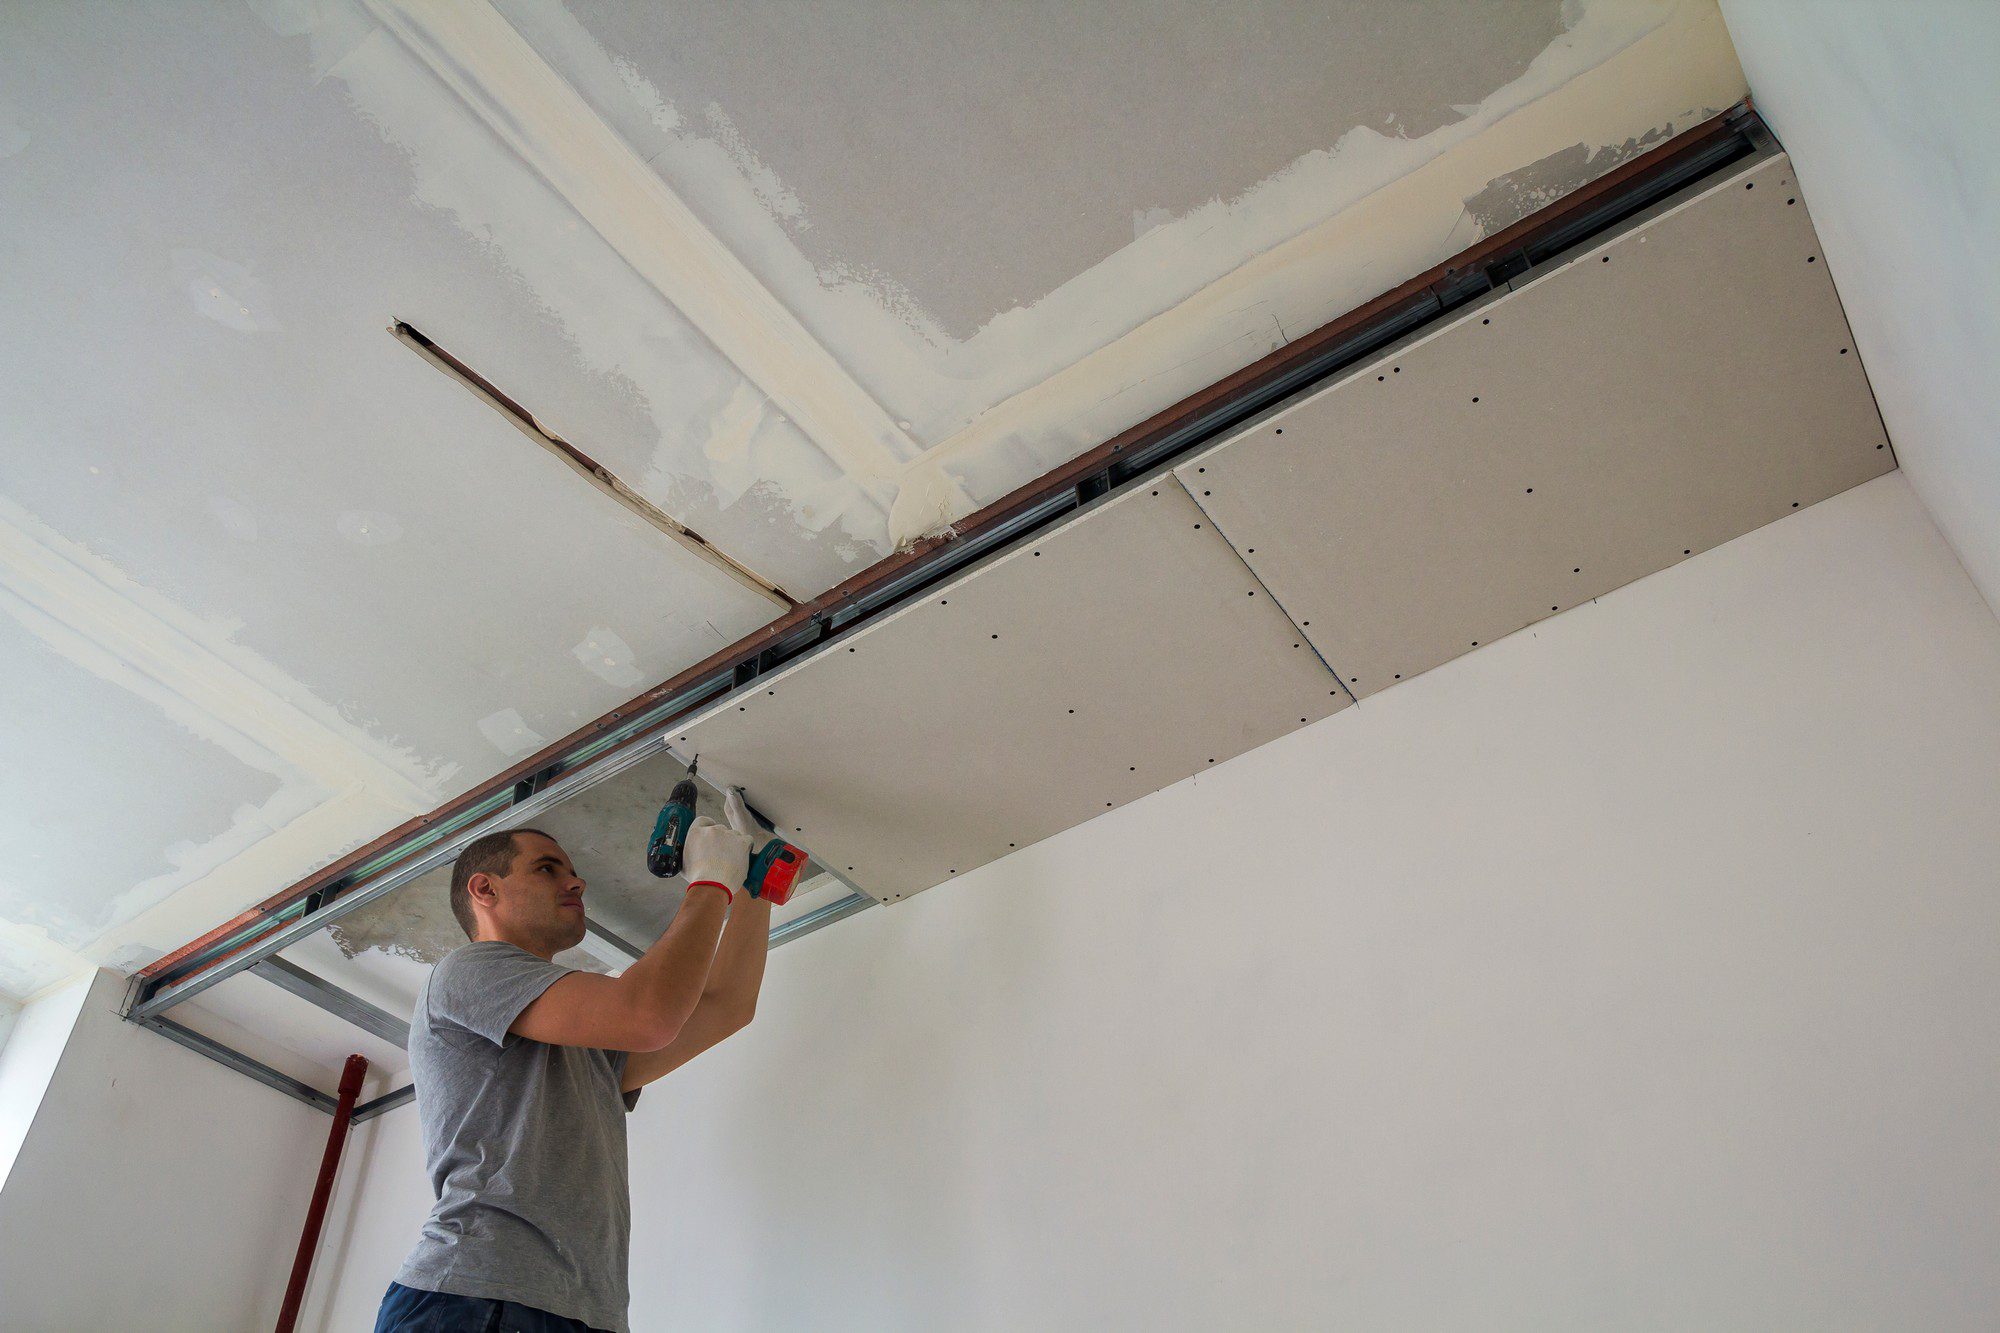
(272, 584)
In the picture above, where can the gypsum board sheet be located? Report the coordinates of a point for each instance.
(1684, 383)
(1114, 656)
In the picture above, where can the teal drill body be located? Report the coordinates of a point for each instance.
(773, 870)
(670, 830)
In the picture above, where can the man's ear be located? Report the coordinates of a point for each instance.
(479, 888)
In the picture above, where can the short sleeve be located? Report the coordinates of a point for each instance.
(619, 1059)
(483, 987)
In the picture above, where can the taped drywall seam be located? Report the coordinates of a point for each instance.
(530, 107)
(335, 782)
(589, 468)
(233, 696)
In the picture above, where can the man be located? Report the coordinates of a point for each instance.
(524, 1071)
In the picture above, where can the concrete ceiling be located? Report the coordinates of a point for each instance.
(272, 583)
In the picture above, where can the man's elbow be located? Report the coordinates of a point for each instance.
(736, 1014)
(655, 1033)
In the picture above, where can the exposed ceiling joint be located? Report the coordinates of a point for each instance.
(603, 478)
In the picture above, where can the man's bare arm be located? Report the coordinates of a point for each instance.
(646, 1007)
(727, 1004)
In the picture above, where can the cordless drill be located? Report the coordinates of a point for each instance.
(670, 830)
(773, 870)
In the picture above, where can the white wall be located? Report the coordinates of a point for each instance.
(1642, 969)
(1889, 112)
(155, 1190)
(31, 1044)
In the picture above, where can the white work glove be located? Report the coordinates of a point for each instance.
(720, 853)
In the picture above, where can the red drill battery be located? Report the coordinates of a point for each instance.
(774, 871)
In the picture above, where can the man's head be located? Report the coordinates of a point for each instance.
(518, 886)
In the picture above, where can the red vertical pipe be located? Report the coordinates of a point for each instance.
(336, 1139)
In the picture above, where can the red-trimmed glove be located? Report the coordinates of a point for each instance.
(717, 854)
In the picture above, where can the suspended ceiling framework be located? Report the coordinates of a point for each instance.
(809, 282)
(1649, 395)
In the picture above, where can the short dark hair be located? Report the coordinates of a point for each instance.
(492, 854)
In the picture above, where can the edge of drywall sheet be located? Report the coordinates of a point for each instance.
(1677, 201)
(1737, 125)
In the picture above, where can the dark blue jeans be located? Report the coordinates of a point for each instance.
(408, 1310)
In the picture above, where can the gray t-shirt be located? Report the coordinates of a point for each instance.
(525, 1143)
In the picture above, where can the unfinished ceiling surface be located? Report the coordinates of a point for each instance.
(812, 281)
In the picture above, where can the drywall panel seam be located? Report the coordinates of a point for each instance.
(1298, 628)
(531, 108)
(335, 783)
(85, 608)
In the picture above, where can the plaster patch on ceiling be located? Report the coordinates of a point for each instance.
(1192, 297)
(31, 963)
(500, 143)
(233, 517)
(606, 655)
(368, 527)
(224, 291)
(332, 785)
(88, 610)
(732, 469)
(414, 922)
(1349, 223)
(658, 238)
(772, 196)
(1004, 146)
(1509, 198)
(510, 733)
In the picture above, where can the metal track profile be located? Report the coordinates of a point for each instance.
(631, 734)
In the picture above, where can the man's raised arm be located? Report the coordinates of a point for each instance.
(645, 1007)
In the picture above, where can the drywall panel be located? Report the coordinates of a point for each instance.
(1657, 395)
(1888, 112)
(1118, 654)
(1639, 972)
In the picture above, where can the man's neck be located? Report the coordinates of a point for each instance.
(533, 946)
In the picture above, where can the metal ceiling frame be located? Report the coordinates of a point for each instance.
(639, 729)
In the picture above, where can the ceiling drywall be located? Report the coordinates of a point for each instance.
(1650, 396)
(1656, 395)
(278, 584)
(1889, 113)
